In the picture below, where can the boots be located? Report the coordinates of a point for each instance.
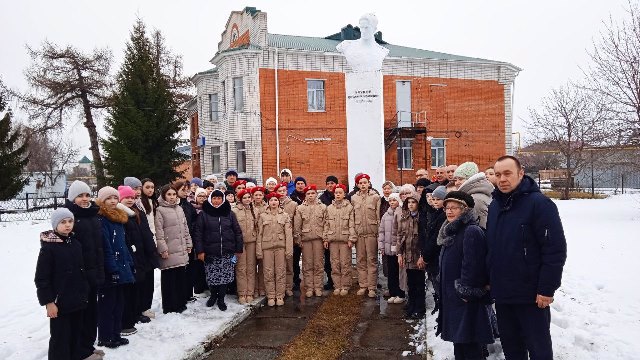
(214, 295)
(222, 291)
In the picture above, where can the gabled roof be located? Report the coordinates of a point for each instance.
(85, 160)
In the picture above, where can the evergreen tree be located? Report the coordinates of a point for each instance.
(13, 157)
(143, 123)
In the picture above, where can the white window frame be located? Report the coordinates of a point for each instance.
(238, 94)
(213, 107)
(402, 147)
(312, 106)
(241, 150)
(215, 153)
(443, 148)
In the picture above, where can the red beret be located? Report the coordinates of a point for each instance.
(362, 176)
(242, 193)
(239, 182)
(278, 186)
(273, 195)
(341, 186)
(257, 188)
(310, 187)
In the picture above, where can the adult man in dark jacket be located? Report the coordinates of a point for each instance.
(527, 252)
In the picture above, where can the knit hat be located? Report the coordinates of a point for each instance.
(331, 178)
(250, 184)
(197, 181)
(257, 188)
(231, 172)
(413, 195)
(125, 192)
(423, 182)
(212, 178)
(58, 215)
(466, 170)
(77, 188)
(286, 171)
(207, 183)
(439, 193)
(132, 182)
(396, 196)
(362, 176)
(106, 192)
(273, 195)
(220, 186)
(407, 188)
(300, 178)
(200, 191)
(310, 187)
(460, 197)
(271, 180)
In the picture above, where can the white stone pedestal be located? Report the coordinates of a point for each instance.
(365, 126)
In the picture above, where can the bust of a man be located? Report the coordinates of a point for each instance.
(364, 54)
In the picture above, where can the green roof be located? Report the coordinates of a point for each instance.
(328, 45)
(85, 160)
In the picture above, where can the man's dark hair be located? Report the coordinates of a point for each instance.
(515, 159)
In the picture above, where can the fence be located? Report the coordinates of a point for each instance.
(32, 206)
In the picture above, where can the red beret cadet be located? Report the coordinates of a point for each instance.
(310, 187)
(257, 188)
(242, 193)
(362, 176)
(278, 186)
(239, 182)
(273, 195)
(341, 186)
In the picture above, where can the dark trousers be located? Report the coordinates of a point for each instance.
(132, 310)
(393, 278)
(218, 292)
(297, 253)
(195, 270)
(468, 351)
(172, 287)
(524, 328)
(89, 325)
(65, 334)
(110, 308)
(327, 267)
(146, 288)
(416, 287)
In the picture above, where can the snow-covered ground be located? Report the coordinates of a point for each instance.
(24, 326)
(596, 313)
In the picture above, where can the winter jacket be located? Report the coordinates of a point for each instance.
(366, 212)
(480, 190)
(527, 247)
(217, 232)
(291, 187)
(463, 276)
(260, 208)
(406, 232)
(298, 197)
(308, 222)
(430, 247)
(248, 221)
(190, 213)
(151, 219)
(140, 242)
(387, 241)
(172, 235)
(326, 197)
(60, 276)
(289, 206)
(339, 224)
(88, 231)
(383, 206)
(274, 232)
(119, 267)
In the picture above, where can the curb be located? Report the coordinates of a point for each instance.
(200, 350)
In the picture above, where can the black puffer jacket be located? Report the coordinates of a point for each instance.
(88, 231)
(217, 231)
(60, 276)
(191, 214)
(431, 249)
(140, 242)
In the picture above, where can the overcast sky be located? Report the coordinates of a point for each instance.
(548, 39)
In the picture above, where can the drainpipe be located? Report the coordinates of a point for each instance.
(277, 115)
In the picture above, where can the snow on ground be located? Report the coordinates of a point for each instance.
(24, 329)
(596, 313)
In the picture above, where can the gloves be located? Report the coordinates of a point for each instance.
(115, 277)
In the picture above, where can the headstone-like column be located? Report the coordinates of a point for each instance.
(365, 115)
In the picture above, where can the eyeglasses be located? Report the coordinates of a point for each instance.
(453, 208)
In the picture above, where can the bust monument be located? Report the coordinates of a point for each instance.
(364, 54)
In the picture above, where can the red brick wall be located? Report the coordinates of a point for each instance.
(470, 113)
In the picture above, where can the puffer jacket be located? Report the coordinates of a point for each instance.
(309, 222)
(217, 232)
(274, 232)
(248, 220)
(172, 235)
(339, 224)
(480, 190)
(387, 241)
(60, 276)
(366, 212)
(88, 231)
(119, 267)
(140, 242)
(407, 235)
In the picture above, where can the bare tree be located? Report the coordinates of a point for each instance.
(571, 120)
(49, 153)
(63, 81)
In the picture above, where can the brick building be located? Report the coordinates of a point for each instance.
(439, 108)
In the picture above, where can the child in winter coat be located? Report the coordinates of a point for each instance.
(308, 227)
(118, 267)
(149, 201)
(259, 206)
(62, 286)
(430, 248)
(88, 231)
(366, 212)
(174, 247)
(246, 277)
(387, 243)
(289, 206)
(275, 247)
(338, 236)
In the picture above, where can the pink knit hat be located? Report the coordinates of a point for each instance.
(106, 192)
(126, 191)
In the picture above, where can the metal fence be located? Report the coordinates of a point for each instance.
(32, 206)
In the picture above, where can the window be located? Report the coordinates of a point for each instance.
(215, 159)
(437, 153)
(405, 154)
(213, 107)
(238, 100)
(224, 96)
(315, 95)
(241, 157)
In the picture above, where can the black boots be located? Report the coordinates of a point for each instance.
(222, 291)
(214, 295)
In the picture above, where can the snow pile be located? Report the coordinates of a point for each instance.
(24, 334)
(596, 313)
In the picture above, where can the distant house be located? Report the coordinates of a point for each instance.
(185, 166)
